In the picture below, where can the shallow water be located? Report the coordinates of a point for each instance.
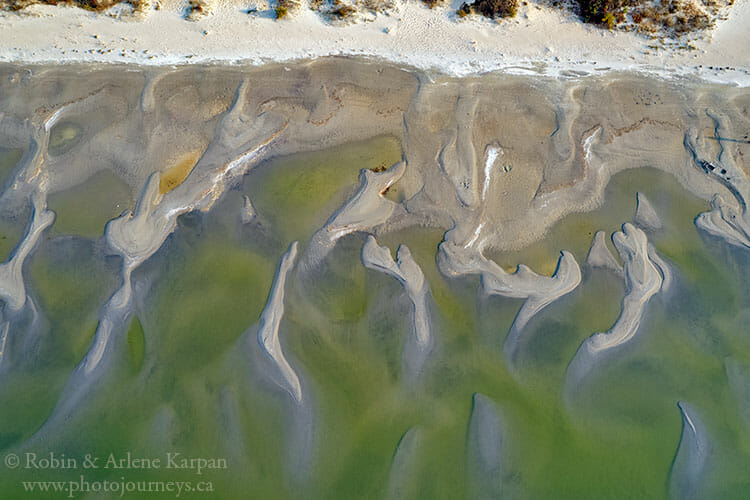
(182, 380)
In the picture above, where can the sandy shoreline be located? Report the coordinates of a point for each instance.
(540, 40)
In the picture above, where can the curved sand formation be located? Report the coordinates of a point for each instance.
(12, 287)
(643, 279)
(486, 438)
(458, 157)
(664, 268)
(139, 234)
(32, 182)
(270, 320)
(519, 199)
(600, 256)
(402, 466)
(408, 273)
(539, 291)
(365, 210)
(645, 215)
(3, 340)
(691, 460)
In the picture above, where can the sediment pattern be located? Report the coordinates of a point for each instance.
(644, 278)
(489, 166)
(270, 320)
(408, 273)
(693, 454)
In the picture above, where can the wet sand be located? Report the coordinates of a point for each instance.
(502, 170)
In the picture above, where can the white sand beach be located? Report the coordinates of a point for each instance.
(540, 39)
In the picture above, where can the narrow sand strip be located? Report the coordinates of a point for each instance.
(486, 440)
(365, 210)
(644, 278)
(408, 273)
(693, 454)
(12, 286)
(403, 465)
(600, 256)
(539, 291)
(642, 281)
(3, 340)
(645, 215)
(270, 320)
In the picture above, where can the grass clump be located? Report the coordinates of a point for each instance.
(343, 11)
(492, 9)
(433, 3)
(285, 7)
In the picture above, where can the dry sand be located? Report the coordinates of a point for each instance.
(540, 40)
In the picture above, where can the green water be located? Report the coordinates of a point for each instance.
(11, 228)
(85, 209)
(68, 280)
(183, 356)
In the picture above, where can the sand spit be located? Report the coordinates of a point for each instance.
(270, 320)
(12, 287)
(643, 279)
(600, 256)
(408, 273)
(137, 235)
(4, 328)
(486, 440)
(692, 458)
(539, 291)
(403, 465)
(645, 215)
(365, 210)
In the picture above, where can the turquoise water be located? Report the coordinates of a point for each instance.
(183, 381)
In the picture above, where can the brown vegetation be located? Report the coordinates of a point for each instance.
(671, 17)
(285, 7)
(196, 9)
(490, 8)
(93, 5)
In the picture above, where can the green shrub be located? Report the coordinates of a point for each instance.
(490, 8)
(609, 20)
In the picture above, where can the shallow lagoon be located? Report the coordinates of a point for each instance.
(183, 383)
(211, 282)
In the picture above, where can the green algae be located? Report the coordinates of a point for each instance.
(136, 343)
(84, 210)
(345, 333)
(297, 193)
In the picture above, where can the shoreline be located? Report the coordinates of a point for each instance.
(539, 41)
